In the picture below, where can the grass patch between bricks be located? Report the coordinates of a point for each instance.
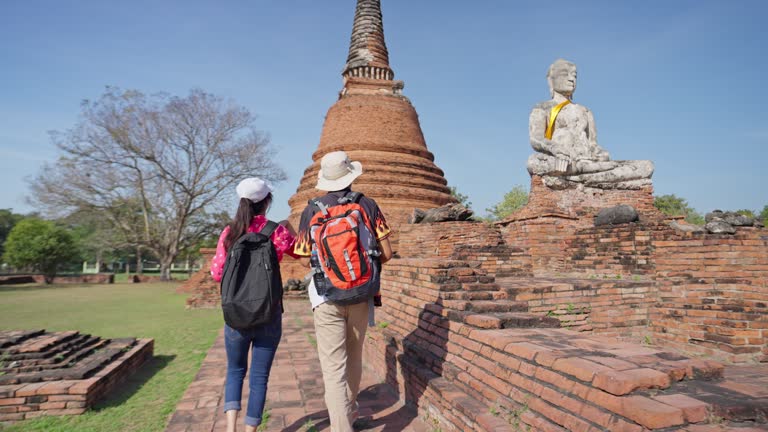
(145, 401)
(312, 340)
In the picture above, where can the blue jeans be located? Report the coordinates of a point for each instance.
(264, 340)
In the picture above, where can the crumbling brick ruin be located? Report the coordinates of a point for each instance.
(62, 373)
(520, 319)
(544, 321)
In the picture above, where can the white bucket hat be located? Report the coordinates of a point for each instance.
(337, 171)
(254, 189)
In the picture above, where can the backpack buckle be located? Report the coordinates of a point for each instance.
(323, 208)
(351, 197)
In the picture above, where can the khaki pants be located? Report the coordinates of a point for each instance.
(340, 332)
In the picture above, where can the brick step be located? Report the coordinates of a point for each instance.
(578, 382)
(729, 401)
(527, 320)
(481, 287)
(13, 337)
(481, 306)
(99, 359)
(499, 320)
(66, 358)
(50, 355)
(35, 347)
(498, 306)
(525, 285)
(83, 368)
(514, 272)
(455, 399)
(76, 351)
(474, 295)
(44, 356)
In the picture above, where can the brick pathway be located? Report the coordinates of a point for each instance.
(295, 395)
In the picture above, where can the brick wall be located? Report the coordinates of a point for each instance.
(621, 250)
(700, 293)
(543, 239)
(441, 239)
(713, 293)
(611, 307)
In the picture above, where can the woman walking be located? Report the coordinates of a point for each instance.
(255, 198)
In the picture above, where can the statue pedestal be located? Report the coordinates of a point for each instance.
(582, 203)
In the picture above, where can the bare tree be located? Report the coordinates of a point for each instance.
(158, 168)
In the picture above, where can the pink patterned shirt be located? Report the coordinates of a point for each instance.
(282, 239)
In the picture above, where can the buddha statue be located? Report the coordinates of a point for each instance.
(565, 139)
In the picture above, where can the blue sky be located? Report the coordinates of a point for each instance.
(677, 82)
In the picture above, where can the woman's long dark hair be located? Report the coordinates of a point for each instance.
(246, 210)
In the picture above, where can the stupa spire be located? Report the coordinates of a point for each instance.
(368, 56)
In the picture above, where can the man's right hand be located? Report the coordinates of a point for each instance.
(385, 247)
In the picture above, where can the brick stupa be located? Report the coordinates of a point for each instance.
(376, 125)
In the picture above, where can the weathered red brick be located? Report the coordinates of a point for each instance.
(650, 413)
(55, 387)
(694, 410)
(624, 382)
(83, 387)
(581, 368)
(12, 401)
(525, 350)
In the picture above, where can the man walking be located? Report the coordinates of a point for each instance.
(346, 236)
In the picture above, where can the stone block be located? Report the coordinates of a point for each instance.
(694, 410)
(625, 382)
(651, 414)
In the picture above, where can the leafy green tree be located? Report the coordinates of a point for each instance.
(513, 200)
(764, 215)
(7, 220)
(673, 205)
(40, 245)
(747, 212)
(460, 197)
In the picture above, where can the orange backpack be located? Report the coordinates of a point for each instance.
(346, 249)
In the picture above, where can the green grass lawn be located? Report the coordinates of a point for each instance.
(122, 277)
(144, 402)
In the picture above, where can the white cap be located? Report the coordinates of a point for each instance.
(254, 189)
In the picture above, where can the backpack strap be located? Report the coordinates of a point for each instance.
(351, 197)
(268, 229)
(319, 206)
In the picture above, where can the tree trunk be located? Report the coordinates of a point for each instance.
(98, 261)
(139, 264)
(165, 269)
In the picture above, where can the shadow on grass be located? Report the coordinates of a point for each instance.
(133, 383)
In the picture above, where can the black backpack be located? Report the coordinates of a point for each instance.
(251, 286)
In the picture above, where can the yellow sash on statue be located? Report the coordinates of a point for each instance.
(552, 117)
